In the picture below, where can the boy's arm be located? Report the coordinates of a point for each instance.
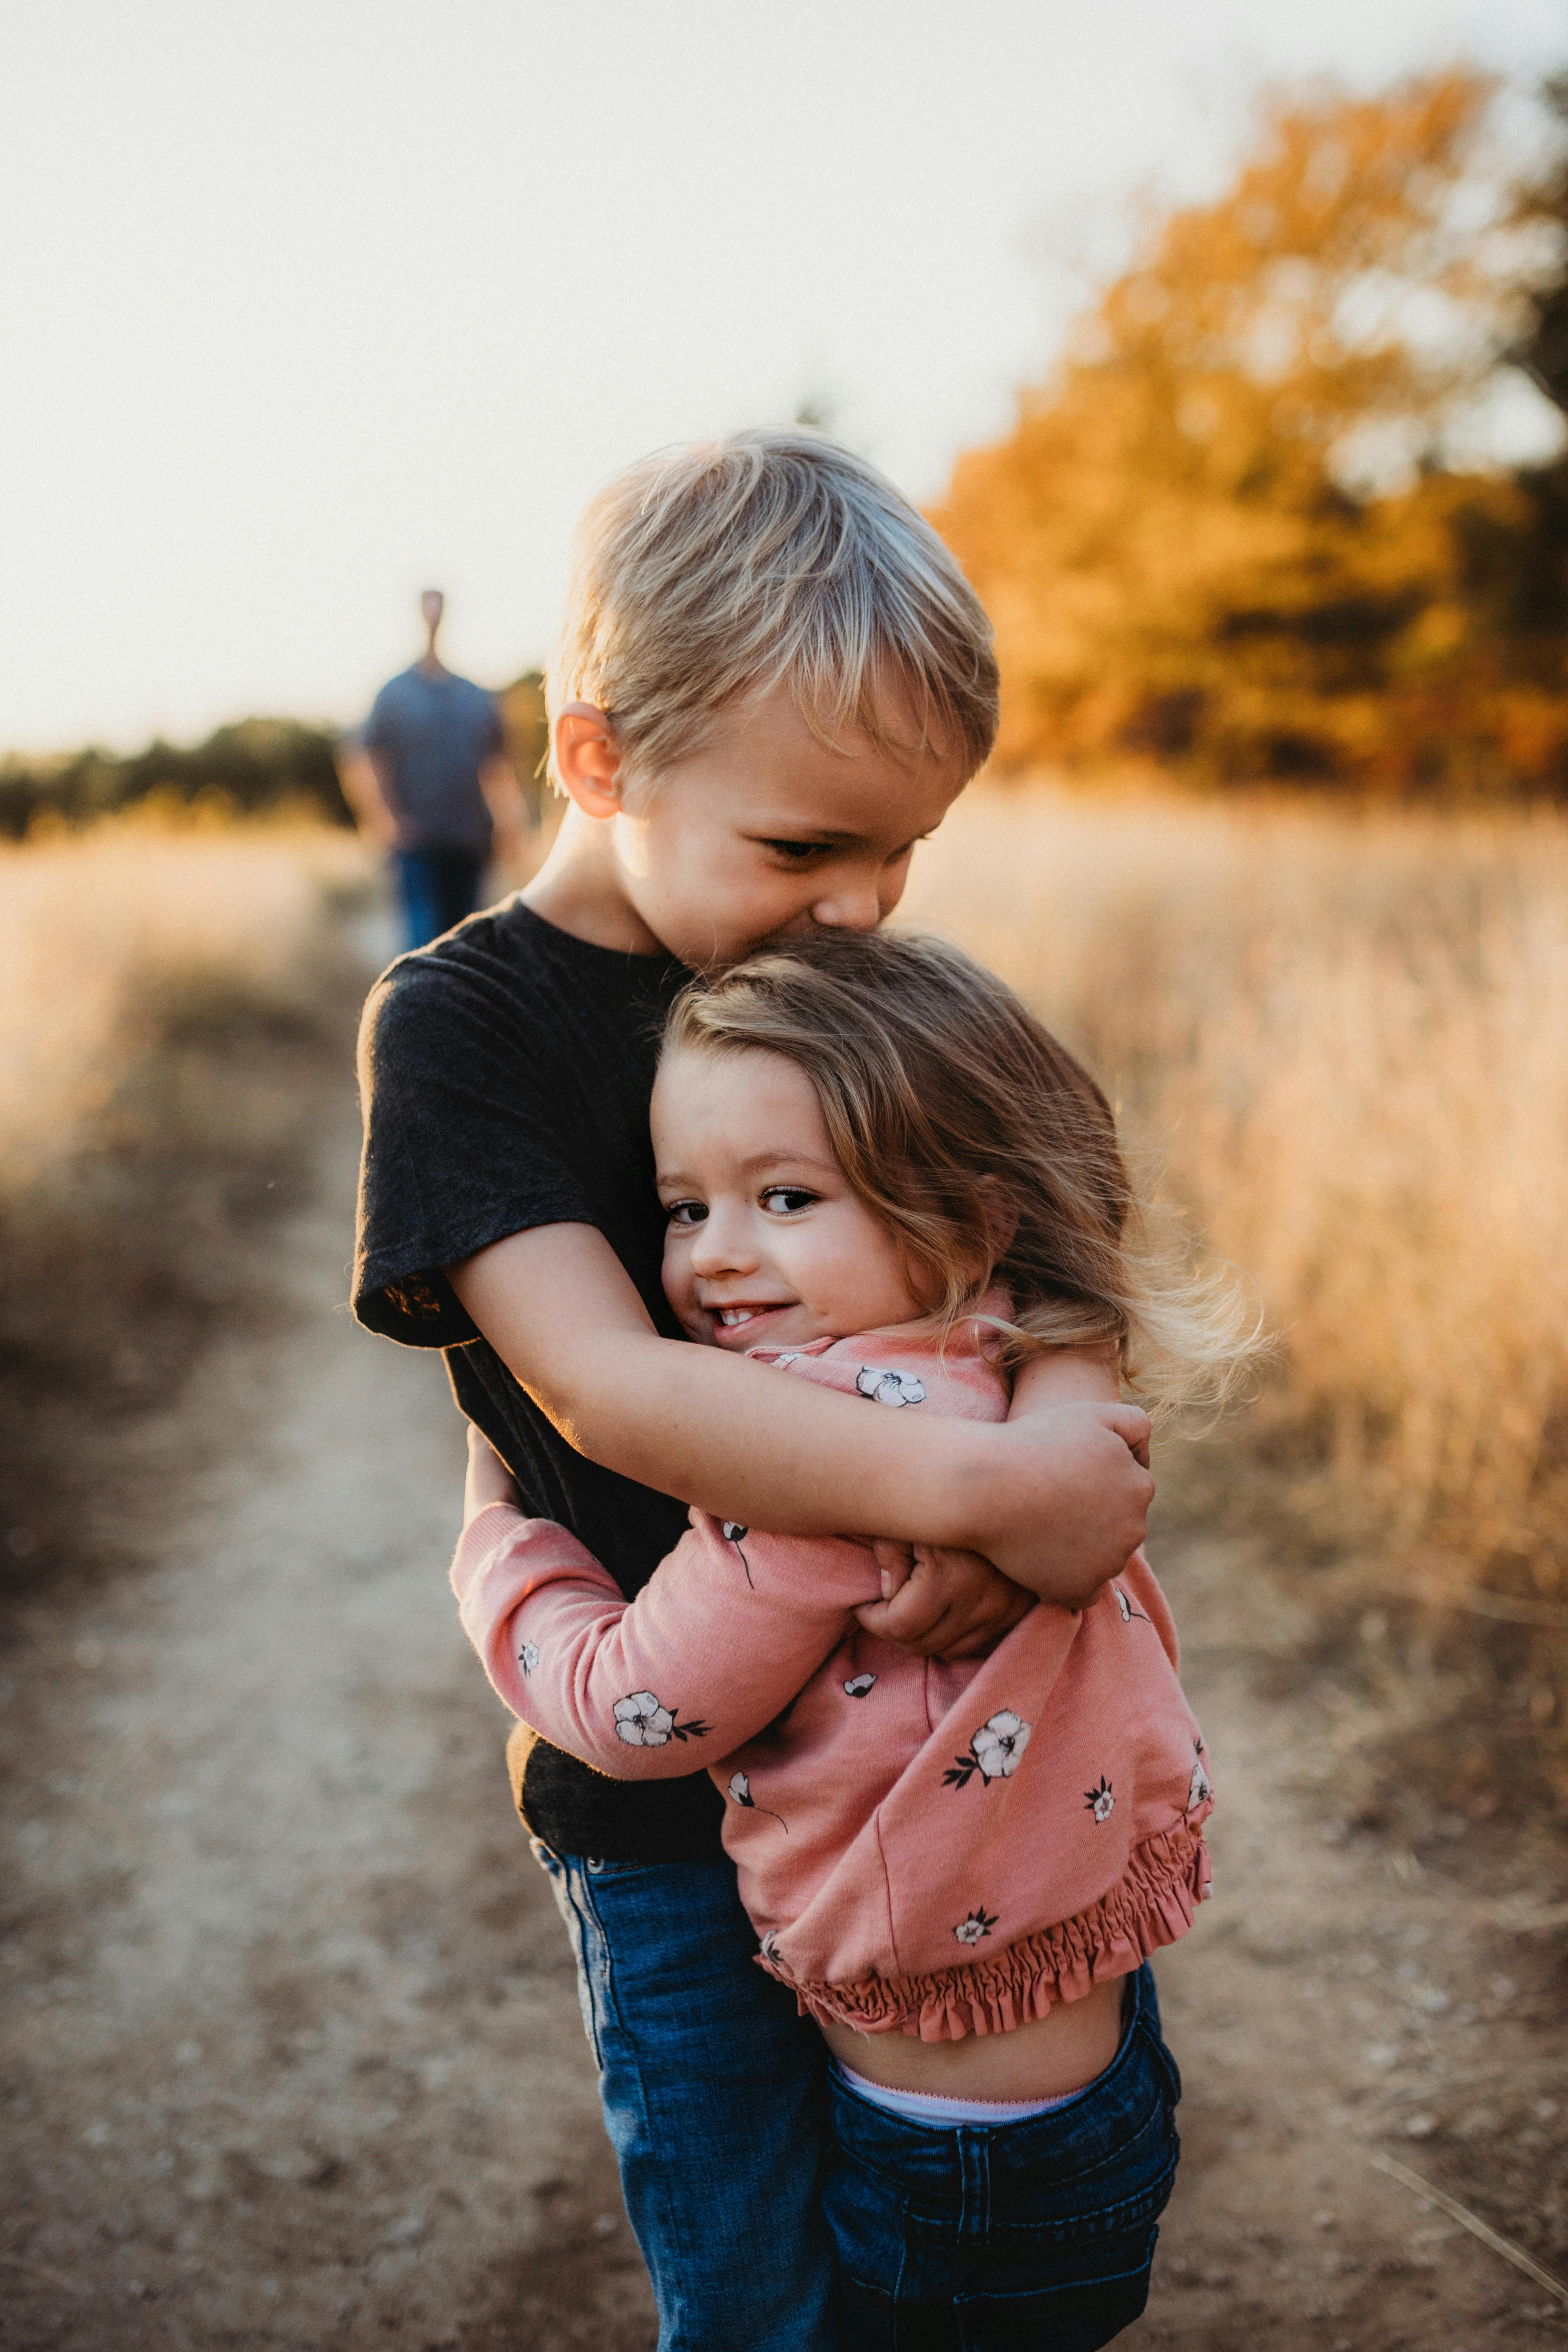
(726, 1633)
(946, 1607)
(1056, 1498)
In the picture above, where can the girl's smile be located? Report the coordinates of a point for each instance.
(767, 1244)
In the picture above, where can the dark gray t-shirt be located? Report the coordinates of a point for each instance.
(506, 1074)
(435, 734)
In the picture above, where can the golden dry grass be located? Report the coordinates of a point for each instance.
(103, 932)
(1344, 1036)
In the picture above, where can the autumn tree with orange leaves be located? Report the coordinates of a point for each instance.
(1230, 531)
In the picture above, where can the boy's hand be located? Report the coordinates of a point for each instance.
(946, 1605)
(487, 1481)
(1090, 1465)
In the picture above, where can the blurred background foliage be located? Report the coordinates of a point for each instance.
(1242, 529)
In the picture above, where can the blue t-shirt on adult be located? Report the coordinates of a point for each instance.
(435, 733)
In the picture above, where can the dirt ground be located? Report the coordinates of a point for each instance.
(291, 2054)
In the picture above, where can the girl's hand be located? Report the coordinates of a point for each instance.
(950, 1604)
(488, 1479)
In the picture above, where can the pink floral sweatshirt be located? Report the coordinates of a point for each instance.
(939, 1850)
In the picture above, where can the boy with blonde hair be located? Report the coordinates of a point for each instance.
(772, 681)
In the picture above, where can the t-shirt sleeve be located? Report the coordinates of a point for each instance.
(463, 1145)
(373, 734)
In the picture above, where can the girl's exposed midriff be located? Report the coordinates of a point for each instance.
(1044, 2060)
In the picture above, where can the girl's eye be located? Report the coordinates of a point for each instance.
(687, 1213)
(786, 1200)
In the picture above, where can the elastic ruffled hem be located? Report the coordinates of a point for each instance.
(1150, 1906)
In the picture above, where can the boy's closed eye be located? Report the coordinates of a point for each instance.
(800, 853)
(797, 853)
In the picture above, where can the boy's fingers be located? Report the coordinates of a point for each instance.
(1132, 1425)
(895, 1564)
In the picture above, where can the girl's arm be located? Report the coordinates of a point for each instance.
(1057, 1499)
(726, 1633)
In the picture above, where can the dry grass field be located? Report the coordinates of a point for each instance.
(110, 936)
(170, 989)
(1339, 1039)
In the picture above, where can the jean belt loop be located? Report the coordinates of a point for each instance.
(974, 2182)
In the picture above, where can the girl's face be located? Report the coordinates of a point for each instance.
(766, 1246)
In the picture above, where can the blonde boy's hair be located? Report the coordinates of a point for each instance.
(727, 568)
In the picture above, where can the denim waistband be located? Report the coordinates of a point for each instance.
(1090, 2128)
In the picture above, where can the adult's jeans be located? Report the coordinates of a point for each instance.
(439, 887)
(713, 2095)
(1034, 2236)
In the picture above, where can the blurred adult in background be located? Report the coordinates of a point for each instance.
(428, 775)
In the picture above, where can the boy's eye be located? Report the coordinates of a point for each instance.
(797, 853)
(687, 1213)
(786, 1200)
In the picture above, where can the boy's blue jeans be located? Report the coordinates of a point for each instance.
(1026, 2237)
(713, 2090)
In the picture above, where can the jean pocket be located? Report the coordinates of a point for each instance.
(1093, 2293)
(1109, 2169)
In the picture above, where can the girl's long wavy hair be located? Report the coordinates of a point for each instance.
(983, 1146)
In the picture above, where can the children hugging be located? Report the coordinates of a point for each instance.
(861, 1869)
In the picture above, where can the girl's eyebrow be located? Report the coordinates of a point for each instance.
(786, 1158)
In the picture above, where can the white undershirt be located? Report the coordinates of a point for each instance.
(925, 2108)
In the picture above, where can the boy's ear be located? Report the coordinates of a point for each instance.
(588, 759)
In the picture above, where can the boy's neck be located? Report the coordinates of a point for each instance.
(581, 890)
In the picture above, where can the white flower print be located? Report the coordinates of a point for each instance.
(740, 1790)
(642, 1721)
(1200, 1789)
(1102, 1801)
(527, 1656)
(733, 1533)
(858, 1684)
(979, 1923)
(1127, 1611)
(770, 1947)
(995, 1752)
(889, 1388)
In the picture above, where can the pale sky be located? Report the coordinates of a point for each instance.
(305, 304)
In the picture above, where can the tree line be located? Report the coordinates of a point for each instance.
(1242, 528)
(253, 766)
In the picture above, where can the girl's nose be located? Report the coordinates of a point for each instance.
(721, 1244)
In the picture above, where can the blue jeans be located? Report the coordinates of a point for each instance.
(712, 2089)
(439, 886)
(1026, 2237)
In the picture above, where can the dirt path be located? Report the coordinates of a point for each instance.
(291, 2053)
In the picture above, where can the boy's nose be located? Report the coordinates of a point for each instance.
(852, 906)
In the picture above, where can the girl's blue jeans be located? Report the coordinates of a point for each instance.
(1036, 2234)
(713, 2090)
(746, 2173)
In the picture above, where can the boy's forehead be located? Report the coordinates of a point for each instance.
(857, 794)
(840, 779)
